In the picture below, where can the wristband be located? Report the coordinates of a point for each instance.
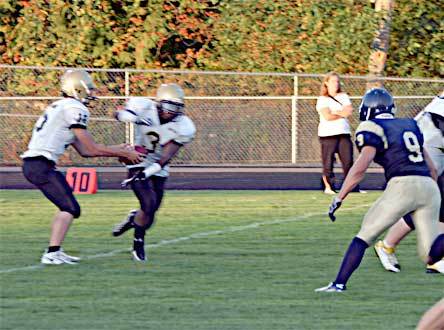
(152, 169)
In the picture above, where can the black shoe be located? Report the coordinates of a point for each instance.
(125, 225)
(138, 250)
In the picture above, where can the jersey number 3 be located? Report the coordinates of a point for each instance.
(154, 139)
(412, 144)
(41, 122)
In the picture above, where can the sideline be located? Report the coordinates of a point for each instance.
(192, 236)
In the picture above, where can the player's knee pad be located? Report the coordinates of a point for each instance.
(73, 209)
(148, 208)
(409, 221)
(77, 212)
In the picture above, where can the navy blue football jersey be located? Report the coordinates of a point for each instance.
(398, 143)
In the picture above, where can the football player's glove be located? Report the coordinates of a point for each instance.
(335, 204)
(142, 175)
(138, 176)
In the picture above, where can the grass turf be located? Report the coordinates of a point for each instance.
(218, 260)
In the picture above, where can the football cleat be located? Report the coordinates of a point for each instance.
(332, 287)
(329, 191)
(138, 252)
(437, 267)
(387, 257)
(125, 225)
(58, 258)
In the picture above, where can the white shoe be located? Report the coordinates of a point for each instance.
(329, 191)
(437, 267)
(72, 258)
(387, 257)
(58, 258)
(332, 288)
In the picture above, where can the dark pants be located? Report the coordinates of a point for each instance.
(330, 145)
(149, 192)
(42, 173)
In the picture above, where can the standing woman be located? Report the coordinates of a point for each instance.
(334, 131)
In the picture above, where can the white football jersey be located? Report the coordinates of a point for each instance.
(52, 132)
(153, 135)
(433, 136)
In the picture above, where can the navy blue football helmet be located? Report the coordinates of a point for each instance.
(375, 102)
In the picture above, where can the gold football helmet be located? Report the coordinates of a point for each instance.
(79, 85)
(170, 99)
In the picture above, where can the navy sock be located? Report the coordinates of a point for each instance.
(437, 249)
(139, 232)
(54, 248)
(351, 260)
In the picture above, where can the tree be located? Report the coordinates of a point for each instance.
(380, 45)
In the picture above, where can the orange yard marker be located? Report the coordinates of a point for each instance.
(82, 180)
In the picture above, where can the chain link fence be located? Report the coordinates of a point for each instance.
(241, 118)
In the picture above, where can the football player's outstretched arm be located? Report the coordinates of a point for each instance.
(357, 171)
(87, 147)
(125, 116)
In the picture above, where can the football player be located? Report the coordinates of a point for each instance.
(431, 123)
(64, 123)
(397, 145)
(161, 128)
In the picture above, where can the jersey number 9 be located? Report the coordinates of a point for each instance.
(412, 144)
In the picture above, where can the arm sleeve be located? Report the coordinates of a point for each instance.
(181, 132)
(77, 117)
(126, 115)
(371, 134)
(321, 103)
(345, 100)
(134, 108)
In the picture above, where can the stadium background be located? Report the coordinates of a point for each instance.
(219, 259)
(255, 130)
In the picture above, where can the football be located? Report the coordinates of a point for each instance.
(140, 149)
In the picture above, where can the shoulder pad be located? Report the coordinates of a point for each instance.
(185, 126)
(372, 127)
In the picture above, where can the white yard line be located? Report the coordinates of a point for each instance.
(192, 236)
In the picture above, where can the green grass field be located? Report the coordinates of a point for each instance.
(218, 260)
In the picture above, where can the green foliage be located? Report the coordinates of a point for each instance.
(417, 39)
(312, 36)
(246, 35)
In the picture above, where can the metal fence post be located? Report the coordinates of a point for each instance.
(294, 121)
(129, 127)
